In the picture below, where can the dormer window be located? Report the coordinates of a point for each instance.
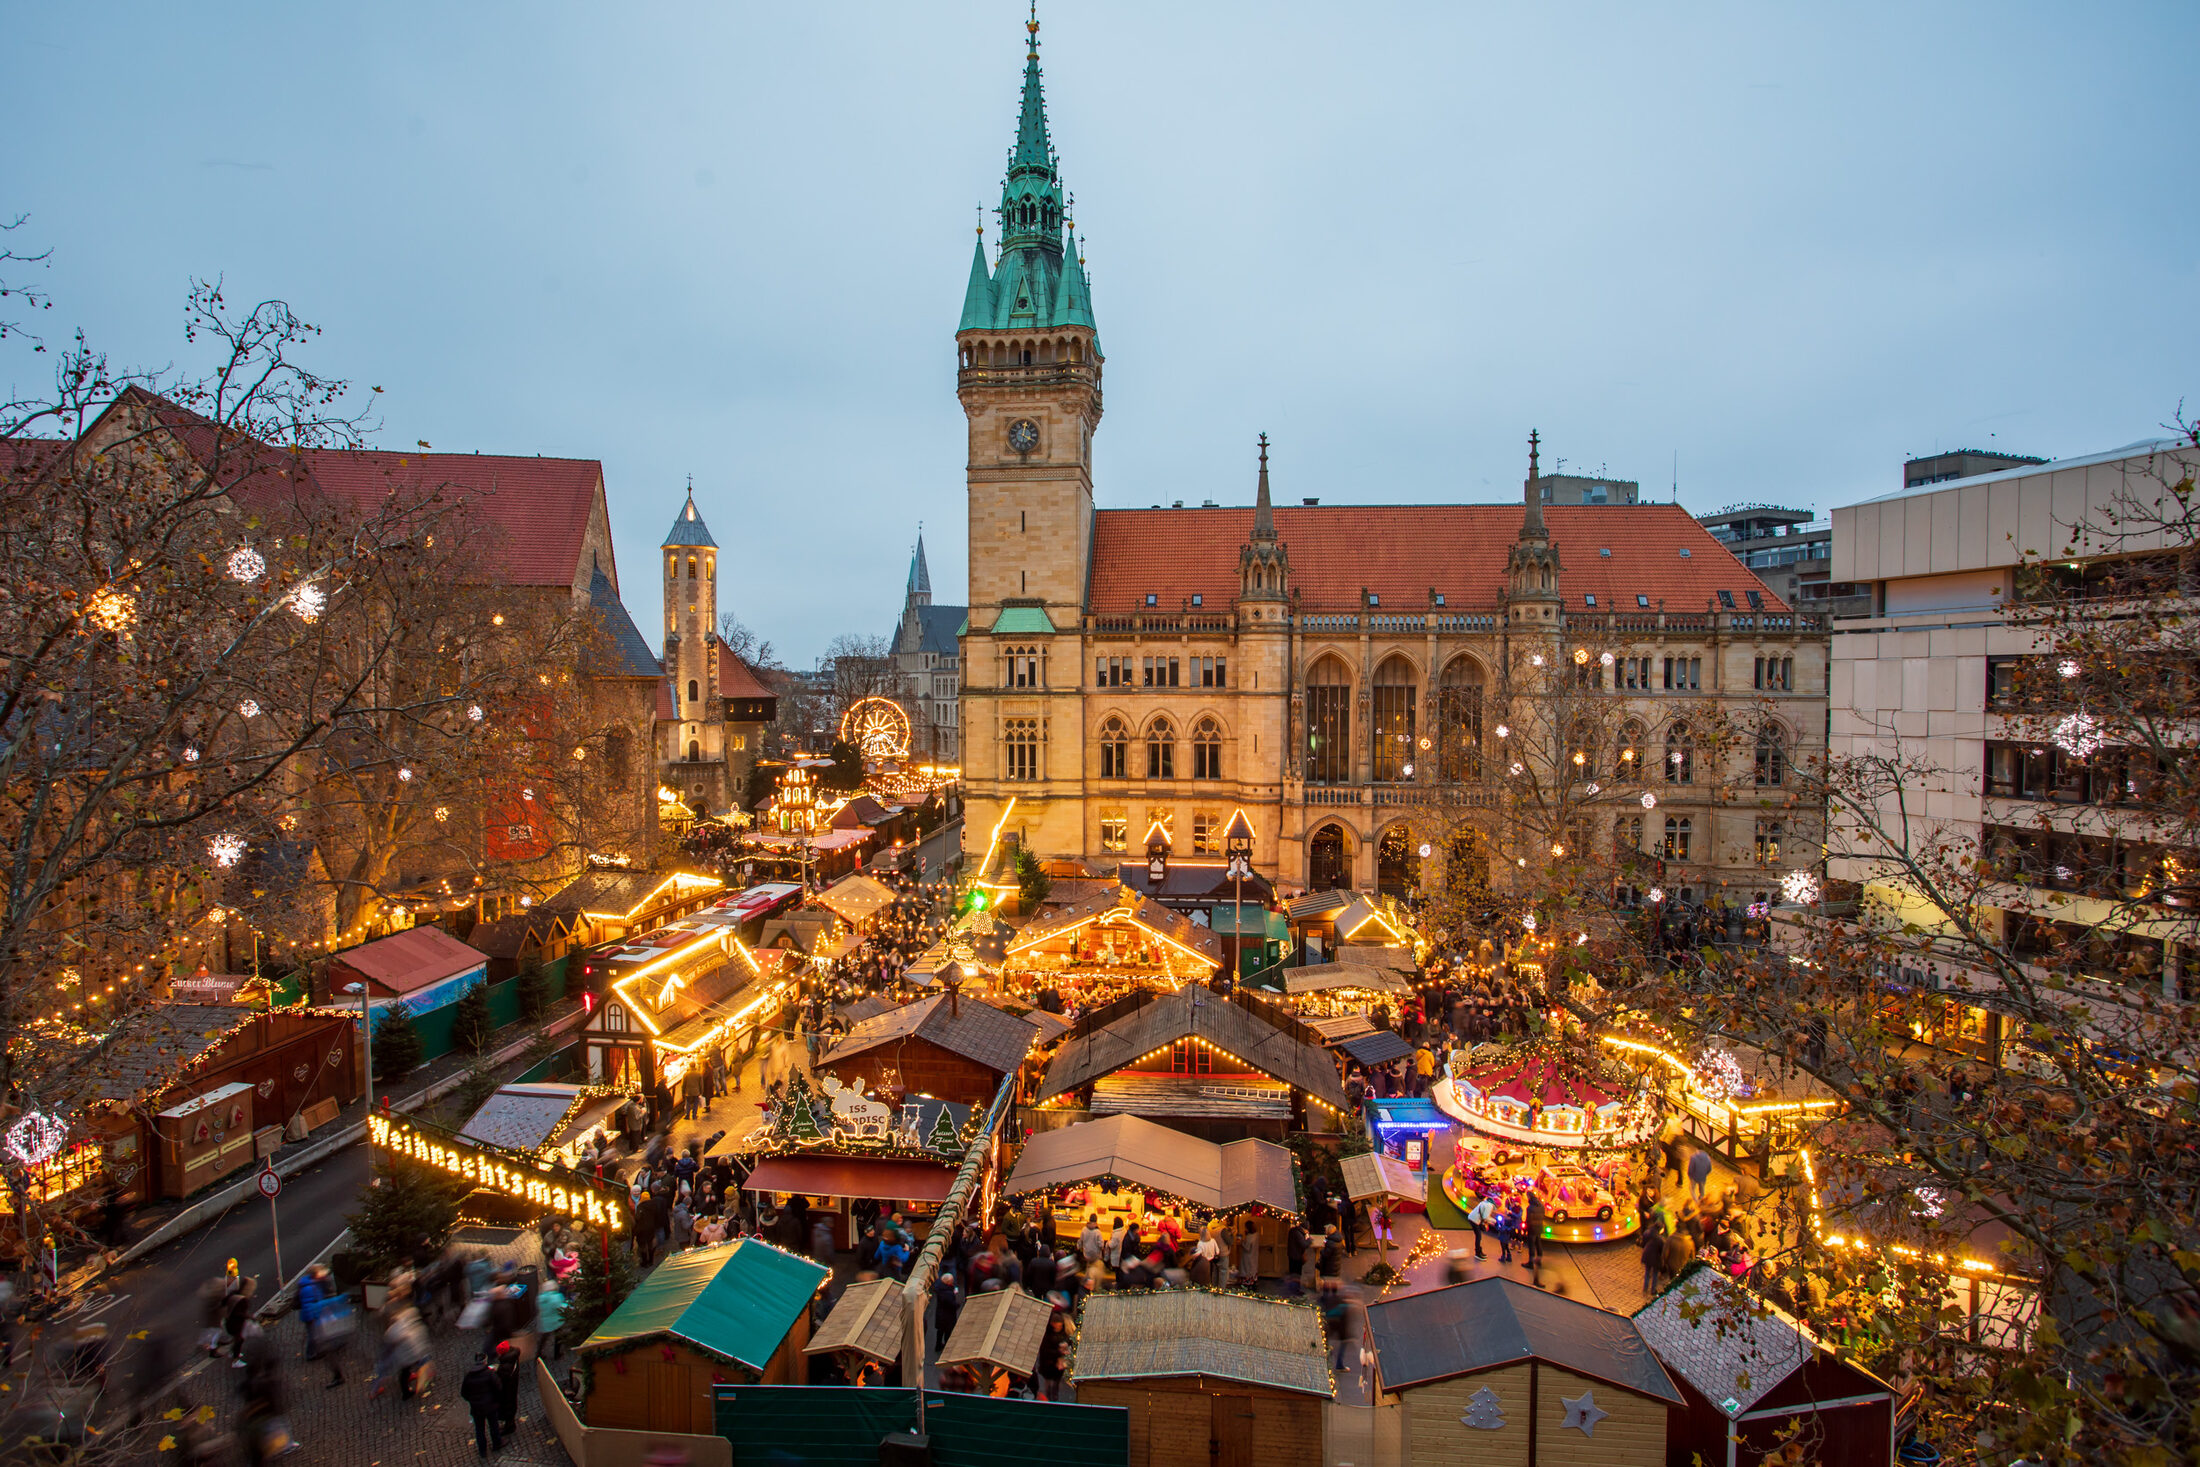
(1373, 599)
(1590, 600)
(1152, 599)
(1439, 598)
(1726, 598)
(1756, 601)
(1642, 600)
(1197, 599)
(1684, 552)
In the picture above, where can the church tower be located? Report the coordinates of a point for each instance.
(695, 740)
(1028, 373)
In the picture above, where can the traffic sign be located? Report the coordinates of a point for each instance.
(270, 1184)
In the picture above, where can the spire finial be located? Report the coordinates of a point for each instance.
(1032, 27)
(1264, 515)
(1532, 492)
(1535, 440)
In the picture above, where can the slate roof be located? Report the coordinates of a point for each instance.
(867, 1318)
(1232, 1175)
(688, 527)
(1732, 1345)
(977, 1031)
(520, 1117)
(1378, 1048)
(1465, 1328)
(1401, 552)
(149, 1047)
(1267, 1342)
(936, 630)
(625, 653)
(1194, 1011)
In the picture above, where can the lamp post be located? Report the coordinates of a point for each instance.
(366, 1027)
(1237, 843)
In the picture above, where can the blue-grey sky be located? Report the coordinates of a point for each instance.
(1788, 244)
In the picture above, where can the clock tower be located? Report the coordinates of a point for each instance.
(1028, 373)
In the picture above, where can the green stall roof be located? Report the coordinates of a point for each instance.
(735, 1300)
(1259, 921)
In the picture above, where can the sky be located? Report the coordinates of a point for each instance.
(1763, 252)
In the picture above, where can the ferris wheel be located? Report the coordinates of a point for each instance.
(877, 727)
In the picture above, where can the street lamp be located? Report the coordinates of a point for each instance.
(1237, 843)
(366, 1026)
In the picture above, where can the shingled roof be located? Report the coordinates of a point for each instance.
(1195, 1012)
(1241, 1337)
(1196, 940)
(1732, 1345)
(1401, 552)
(1464, 1328)
(976, 1031)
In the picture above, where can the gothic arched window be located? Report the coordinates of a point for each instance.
(1459, 721)
(1771, 757)
(1206, 750)
(1680, 755)
(1395, 697)
(1115, 750)
(1160, 750)
(1020, 748)
(1328, 722)
(1631, 739)
(1677, 831)
(691, 567)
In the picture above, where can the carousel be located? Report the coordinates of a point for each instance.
(1551, 1118)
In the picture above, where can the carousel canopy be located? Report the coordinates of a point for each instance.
(1145, 1155)
(1541, 1080)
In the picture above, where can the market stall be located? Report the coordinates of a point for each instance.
(995, 1343)
(1111, 943)
(1411, 1131)
(1554, 1118)
(842, 1149)
(732, 1313)
(1328, 990)
(1209, 1377)
(948, 1046)
(1123, 1169)
(864, 1331)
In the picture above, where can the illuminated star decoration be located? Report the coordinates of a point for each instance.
(246, 564)
(307, 602)
(226, 850)
(1582, 1413)
(1799, 888)
(1649, 801)
(2078, 735)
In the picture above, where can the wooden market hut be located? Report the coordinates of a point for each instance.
(1496, 1370)
(864, 1329)
(536, 935)
(945, 1046)
(857, 899)
(997, 1334)
(1207, 1378)
(598, 906)
(1111, 939)
(1205, 1063)
(730, 1314)
(1752, 1375)
(1115, 1162)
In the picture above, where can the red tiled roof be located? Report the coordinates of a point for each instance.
(540, 506)
(667, 710)
(736, 679)
(412, 959)
(1402, 551)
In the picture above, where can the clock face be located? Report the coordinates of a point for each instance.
(1023, 435)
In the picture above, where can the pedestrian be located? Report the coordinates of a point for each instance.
(1478, 1218)
(1533, 1230)
(1699, 1171)
(1248, 1264)
(507, 1368)
(1294, 1253)
(238, 1310)
(1054, 1355)
(319, 1309)
(1652, 1249)
(550, 1318)
(482, 1396)
(1331, 1263)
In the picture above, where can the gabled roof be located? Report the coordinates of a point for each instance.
(1194, 1012)
(732, 1300)
(936, 630)
(1402, 552)
(977, 1031)
(1196, 941)
(1022, 621)
(413, 959)
(1317, 904)
(1003, 1328)
(1268, 1342)
(1733, 1346)
(1236, 1174)
(867, 1319)
(147, 1048)
(857, 897)
(1465, 1328)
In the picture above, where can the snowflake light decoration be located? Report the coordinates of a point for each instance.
(250, 708)
(1504, 731)
(1527, 920)
(2079, 735)
(226, 850)
(1518, 767)
(2068, 667)
(1655, 895)
(527, 794)
(1427, 850)
(190, 754)
(1799, 888)
(405, 775)
(1591, 787)
(1649, 801)
(37, 1138)
(1606, 659)
(1536, 661)
(308, 602)
(246, 564)
(1720, 1074)
(474, 713)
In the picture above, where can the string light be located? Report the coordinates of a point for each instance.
(190, 754)
(1504, 731)
(1799, 887)
(246, 564)
(113, 610)
(405, 774)
(226, 850)
(442, 812)
(1581, 655)
(1649, 801)
(249, 708)
(1606, 659)
(1656, 894)
(37, 1138)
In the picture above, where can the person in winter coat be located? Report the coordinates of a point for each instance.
(550, 1318)
(1652, 1249)
(1680, 1251)
(1054, 1355)
(318, 1308)
(1699, 1171)
(482, 1397)
(1479, 1217)
(1532, 1231)
(507, 1370)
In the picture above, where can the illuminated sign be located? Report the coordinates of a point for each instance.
(535, 1183)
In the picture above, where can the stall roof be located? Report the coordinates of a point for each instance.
(1222, 918)
(1342, 1027)
(526, 1117)
(1235, 1174)
(1378, 1048)
(148, 1049)
(867, 1319)
(1363, 915)
(409, 961)
(733, 1300)
(1733, 1346)
(1316, 904)
(1322, 977)
(885, 1178)
(1465, 1328)
(1003, 1328)
(977, 1031)
(857, 897)
(1194, 1012)
(1174, 927)
(1195, 882)
(1241, 1337)
(1372, 1174)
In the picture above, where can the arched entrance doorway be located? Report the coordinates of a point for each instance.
(1398, 862)
(1329, 860)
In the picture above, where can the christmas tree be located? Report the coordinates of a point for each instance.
(942, 1138)
(407, 1203)
(596, 1288)
(397, 1045)
(470, 1021)
(798, 1117)
(1484, 1411)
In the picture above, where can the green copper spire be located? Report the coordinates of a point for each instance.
(1038, 282)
